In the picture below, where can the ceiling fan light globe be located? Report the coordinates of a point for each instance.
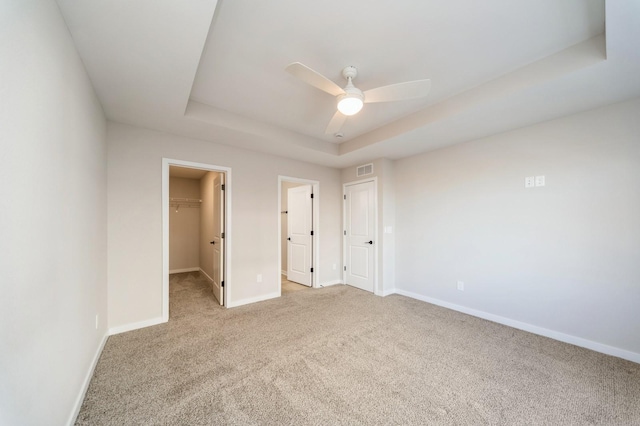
(350, 104)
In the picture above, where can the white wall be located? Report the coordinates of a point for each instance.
(52, 218)
(135, 232)
(184, 225)
(563, 257)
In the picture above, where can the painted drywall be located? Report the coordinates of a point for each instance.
(562, 257)
(184, 224)
(135, 232)
(53, 204)
(383, 172)
(284, 224)
(206, 222)
(387, 227)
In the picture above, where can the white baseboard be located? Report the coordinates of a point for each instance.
(283, 273)
(85, 384)
(329, 283)
(552, 334)
(389, 292)
(249, 300)
(205, 275)
(135, 326)
(178, 271)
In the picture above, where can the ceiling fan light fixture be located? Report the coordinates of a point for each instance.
(350, 103)
(351, 99)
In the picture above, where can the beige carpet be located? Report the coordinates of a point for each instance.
(338, 356)
(287, 286)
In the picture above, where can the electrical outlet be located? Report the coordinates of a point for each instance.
(539, 180)
(460, 286)
(335, 266)
(529, 182)
(259, 278)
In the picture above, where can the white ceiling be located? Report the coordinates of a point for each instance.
(217, 73)
(186, 172)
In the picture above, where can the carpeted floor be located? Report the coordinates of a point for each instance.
(338, 356)
(287, 286)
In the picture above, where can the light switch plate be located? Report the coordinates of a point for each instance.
(539, 180)
(529, 182)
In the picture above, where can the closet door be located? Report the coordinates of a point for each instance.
(360, 225)
(218, 238)
(300, 234)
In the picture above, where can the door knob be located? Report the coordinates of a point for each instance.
(368, 242)
(212, 242)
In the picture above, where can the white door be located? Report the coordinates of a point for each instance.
(360, 205)
(218, 238)
(299, 234)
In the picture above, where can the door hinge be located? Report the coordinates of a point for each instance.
(222, 186)
(312, 270)
(345, 269)
(345, 196)
(222, 235)
(345, 232)
(311, 195)
(311, 232)
(222, 284)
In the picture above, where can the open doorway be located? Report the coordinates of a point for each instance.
(298, 223)
(196, 240)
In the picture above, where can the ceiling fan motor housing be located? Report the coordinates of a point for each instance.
(350, 72)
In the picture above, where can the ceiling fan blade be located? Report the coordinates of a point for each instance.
(336, 123)
(398, 92)
(314, 78)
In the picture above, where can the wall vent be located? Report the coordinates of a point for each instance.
(364, 170)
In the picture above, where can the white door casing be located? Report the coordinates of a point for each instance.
(299, 234)
(228, 240)
(360, 227)
(218, 240)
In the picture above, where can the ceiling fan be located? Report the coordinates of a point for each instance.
(351, 99)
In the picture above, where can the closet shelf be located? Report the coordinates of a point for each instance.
(185, 200)
(188, 203)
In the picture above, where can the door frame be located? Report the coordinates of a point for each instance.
(377, 245)
(166, 163)
(315, 222)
